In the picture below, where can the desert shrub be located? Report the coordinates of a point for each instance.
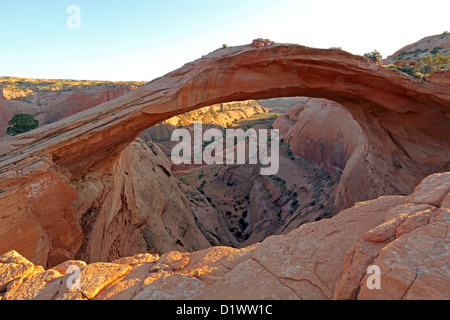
(243, 223)
(20, 123)
(432, 63)
(435, 50)
(374, 55)
(411, 70)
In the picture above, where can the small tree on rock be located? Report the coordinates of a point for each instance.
(20, 123)
(374, 55)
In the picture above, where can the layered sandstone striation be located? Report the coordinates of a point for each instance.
(44, 173)
(406, 237)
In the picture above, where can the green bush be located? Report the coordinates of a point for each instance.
(411, 70)
(428, 65)
(435, 50)
(374, 55)
(20, 123)
(432, 63)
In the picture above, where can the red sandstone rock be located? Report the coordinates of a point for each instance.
(83, 157)
(261, 43)
(442, 76)
(327, 259)
(402, 63)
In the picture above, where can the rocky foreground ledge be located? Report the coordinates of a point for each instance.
(406, 237)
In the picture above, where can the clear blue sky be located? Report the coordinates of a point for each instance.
(144, 39)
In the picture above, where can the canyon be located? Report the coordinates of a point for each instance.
(405, 236)
(94, 187)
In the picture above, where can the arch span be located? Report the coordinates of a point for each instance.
(405, 122)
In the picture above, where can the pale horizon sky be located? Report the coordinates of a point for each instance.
(139, 40)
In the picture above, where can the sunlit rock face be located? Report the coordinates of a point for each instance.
(44, 173)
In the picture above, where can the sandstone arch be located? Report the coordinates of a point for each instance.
(405, 122)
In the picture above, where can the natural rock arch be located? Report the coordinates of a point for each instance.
(405, 122)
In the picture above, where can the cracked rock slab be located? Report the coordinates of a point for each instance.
(414, 266)
(13, 266)
(93, 278)
(173, 287)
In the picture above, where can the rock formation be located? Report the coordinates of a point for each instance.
(261, 43)
(142, 209)
(321, 131)
(442, 76)
(56, 174)
(424, 47)
(406, 237)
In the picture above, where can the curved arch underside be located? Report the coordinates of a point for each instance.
(405, 121)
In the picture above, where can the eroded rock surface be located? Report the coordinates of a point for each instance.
(83, 158)
(405, 236)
